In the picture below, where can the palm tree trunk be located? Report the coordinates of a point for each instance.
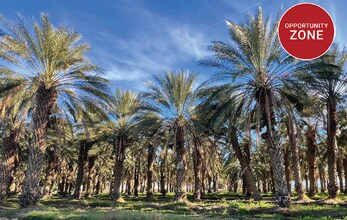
(344, 163)
(272, 183)
(264, 186)
(10, 164)
(286, 166)
(68, 185)
(162, 171)
(322, 178)
(98, 185)
(85, 146)
(311, 135)
(197, 160)
(32, 190)
(236, 186)
(295, 157)
(339, 173)
(331, 151)
(90, 179)
(118, 167)
(3, 178)
(137, 175)
(209, 183)
(246, 146)
(150, 165)
(203, 177)
(128, 185)
(215, 182)
(51, 172)
(269, 121)
(245, 165)
(181, 166)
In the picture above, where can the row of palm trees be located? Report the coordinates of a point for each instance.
(51, 94)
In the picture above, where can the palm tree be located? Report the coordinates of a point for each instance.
(342, 143)
(149, 128)
(254, 69)
(11, 127)
(221, 111)
(124, 109)
(310, 117)
(92, 134)
(172, 97)
(292, 136)
(326, 77)
(56, 78)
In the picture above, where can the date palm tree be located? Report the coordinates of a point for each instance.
(9, 151)
(254, 68)
(327, 77)
(11, 117)
(125, 107)
(172, 97)
(220, 111)
(311, 117)
(55, 78)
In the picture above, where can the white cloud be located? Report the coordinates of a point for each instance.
(189, 41)
(149, 49)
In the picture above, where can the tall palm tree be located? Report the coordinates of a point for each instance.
(221, 111)
(172, 97)
(254, 69)
(342, 143)
(149, 128)
(124, 107)
(327, 77)
(92, 134)
(311, 115)
(11, 127)
(55, 77)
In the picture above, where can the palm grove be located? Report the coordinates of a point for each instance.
(261, 122)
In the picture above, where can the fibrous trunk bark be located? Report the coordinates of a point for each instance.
(245, 165)
(269, 121)
(85, 146)
(181, 163)
(90, 177)
(32, 190)
(286, 166)
(344, 163)
(51, 173)
(311, 135)
(197, 162)
(162, 171)
(9, 165)
(150, 165)
(331, 148)
(295, 156)
(118, 166)
(137, 175)
(215, 183)
(339, 173)
(247, 149)
(322, 178)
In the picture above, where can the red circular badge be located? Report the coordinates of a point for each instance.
(306, 31)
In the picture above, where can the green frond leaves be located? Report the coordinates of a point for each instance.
(39, 53)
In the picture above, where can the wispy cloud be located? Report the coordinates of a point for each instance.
(189, 41)
(149, 49)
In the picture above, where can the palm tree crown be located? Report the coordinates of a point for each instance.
(51, 60)
(48, 67)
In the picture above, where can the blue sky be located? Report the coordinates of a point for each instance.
(134, 39)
